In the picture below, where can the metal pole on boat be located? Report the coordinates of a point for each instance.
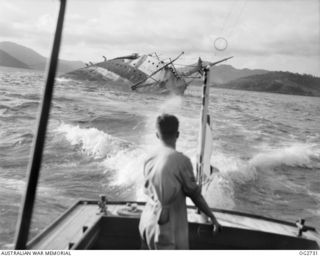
(204, 121)
(25, 215)
(203, 124)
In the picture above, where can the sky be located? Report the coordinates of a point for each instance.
(273, 35)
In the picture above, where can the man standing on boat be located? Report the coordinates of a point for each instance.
(169, 179)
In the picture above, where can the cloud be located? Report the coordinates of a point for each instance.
(8, 30)
(254, 29)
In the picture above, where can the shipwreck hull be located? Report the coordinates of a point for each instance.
(128, 72)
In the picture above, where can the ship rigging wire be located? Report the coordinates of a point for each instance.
(236, 23)
(227, 31)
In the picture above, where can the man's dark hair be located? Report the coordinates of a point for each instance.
(167, 125)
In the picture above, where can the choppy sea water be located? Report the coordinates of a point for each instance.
(266, 147)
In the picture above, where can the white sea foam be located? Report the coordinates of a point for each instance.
(129, 166)
(235, 168)
(171, 105)
(220, 193)
(299, 155)
(127, 159)
(63, 80)
(116, 154)
(242, 170)
(93, 142)
(127, 162)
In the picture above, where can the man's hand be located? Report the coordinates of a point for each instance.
(203, 206)
(216, 225)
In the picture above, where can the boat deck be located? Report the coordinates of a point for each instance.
(83, 226)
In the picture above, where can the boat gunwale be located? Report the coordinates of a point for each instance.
(95, 229)
(47, 229)
(249, 215)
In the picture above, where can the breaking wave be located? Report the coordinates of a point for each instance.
(296, 155)
(115, 155)
(234, 171)
(128, 165)
(125, 161)
(241, 170)
(91, 141)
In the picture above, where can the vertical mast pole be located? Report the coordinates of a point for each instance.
(25, 215)
(203, 124)
(205, 117)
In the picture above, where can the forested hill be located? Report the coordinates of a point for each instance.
(19, 56)
(277, 82)
(10, 61)
(225, 73)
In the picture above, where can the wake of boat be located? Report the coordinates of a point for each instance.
(295, 155)
(91, 141)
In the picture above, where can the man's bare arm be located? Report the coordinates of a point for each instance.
(201, 203)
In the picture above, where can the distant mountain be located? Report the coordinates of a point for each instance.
(277, 82)
(225, 73)
(34, 60)
(221, 74)
(24, 54)
(10, 61)
(224, 76)
(66, 66)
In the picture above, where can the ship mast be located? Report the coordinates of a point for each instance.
(203, 125)
(204, 151)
